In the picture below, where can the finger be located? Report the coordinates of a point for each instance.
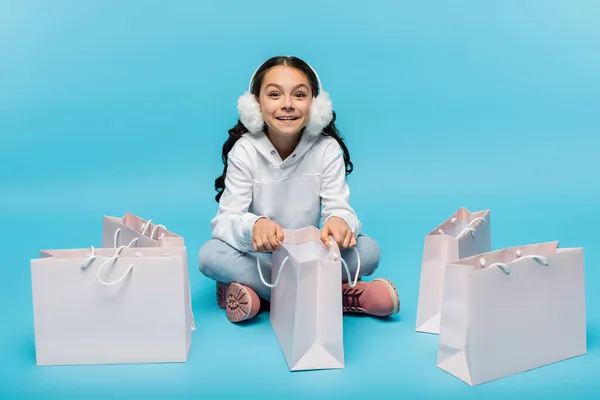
(259, 245)
(273, 241)
(266, 243)
(254, 246)
(353, 241)
(347, 239)
(325, 235)
(279, 233)
(339, 237)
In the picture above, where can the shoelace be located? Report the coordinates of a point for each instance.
(350, 299)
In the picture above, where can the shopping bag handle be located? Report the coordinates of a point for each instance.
(468, 228)
(146, 225)
(504, 266)
(93, 256)
(278, 274)
(350, 283)
(116, 239)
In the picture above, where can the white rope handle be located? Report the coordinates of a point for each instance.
(155, 229)
(278, 274)
(145, 226)
(116, 239)
(469, 227)
(504, 267)
(348, 269)
(113, 258)
(86, 263)
(356, 276)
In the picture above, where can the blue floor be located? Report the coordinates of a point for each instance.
(382, 355)
(106, 109)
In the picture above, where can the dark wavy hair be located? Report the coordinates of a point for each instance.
(239, 129)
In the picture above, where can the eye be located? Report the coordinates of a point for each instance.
(300, 94)
(273, 94)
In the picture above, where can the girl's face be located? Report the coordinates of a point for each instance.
(285, 99)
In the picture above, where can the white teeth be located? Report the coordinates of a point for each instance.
(287, 118)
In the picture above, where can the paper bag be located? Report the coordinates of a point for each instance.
(462, 235)
(306, 301)
(110, 306)
(133, 231)
(512, 310)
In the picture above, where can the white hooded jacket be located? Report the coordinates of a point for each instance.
(299, 191)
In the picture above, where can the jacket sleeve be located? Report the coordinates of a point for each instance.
(233, 223)
(335, 193)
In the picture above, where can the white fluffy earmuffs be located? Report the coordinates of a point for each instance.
(320, 114)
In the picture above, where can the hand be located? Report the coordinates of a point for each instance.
(342, 234)
(266, 235)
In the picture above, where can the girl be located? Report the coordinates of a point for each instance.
(285, 166)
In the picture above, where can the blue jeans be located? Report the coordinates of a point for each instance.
(221, 262)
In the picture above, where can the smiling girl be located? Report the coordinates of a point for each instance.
(285, 167)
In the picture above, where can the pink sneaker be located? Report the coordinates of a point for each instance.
(240, 302)
(378, 298)
(222, 294)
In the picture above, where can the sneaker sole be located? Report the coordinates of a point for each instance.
(393, 292)
(222, 294)
(239, 303)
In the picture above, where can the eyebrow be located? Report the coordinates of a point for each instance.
(279, 87)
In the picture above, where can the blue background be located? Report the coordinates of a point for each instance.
(108, 107)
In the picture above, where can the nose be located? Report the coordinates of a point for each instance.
(287, 105)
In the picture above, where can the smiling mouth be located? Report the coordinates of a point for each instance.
(287, 118)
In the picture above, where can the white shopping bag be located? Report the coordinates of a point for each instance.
(512, 310)
(134, 231)
(306, 300)
(110, 306)
(462, 235)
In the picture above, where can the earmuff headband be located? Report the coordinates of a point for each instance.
(312, 69)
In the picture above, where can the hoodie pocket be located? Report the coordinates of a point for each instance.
(293, 202)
